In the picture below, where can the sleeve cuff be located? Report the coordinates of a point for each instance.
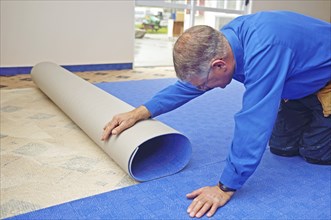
(230, 178)
(152, 108)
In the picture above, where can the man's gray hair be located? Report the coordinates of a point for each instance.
(195, 49)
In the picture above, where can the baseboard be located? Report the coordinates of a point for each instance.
(12, 71)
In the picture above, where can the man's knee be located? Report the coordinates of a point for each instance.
(312, 154)
(287, 151)
(318, 152)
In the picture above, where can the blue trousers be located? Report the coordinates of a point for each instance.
(302, 129)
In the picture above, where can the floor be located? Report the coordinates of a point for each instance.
(44, 154)
(46, 159)
(138, 73)
(37, 166)
(154, 50)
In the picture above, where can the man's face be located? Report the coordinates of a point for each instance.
(219, 75)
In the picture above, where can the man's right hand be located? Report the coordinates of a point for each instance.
(124, 121)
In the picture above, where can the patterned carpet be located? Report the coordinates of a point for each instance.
(45, 157)
(25, 81)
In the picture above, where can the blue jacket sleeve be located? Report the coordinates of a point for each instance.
(171, 98)
(265, 71)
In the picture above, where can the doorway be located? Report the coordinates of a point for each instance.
(159, 23)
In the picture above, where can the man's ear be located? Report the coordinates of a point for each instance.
(219, 65)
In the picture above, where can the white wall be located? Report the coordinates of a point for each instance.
(66, 32)
(316, 8)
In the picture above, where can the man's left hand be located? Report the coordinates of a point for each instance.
(207, 199)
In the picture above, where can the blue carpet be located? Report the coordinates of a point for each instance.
(281, 188)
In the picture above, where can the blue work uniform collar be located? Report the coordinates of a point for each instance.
(237, 52)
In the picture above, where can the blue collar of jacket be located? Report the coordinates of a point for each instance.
(238, 53)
